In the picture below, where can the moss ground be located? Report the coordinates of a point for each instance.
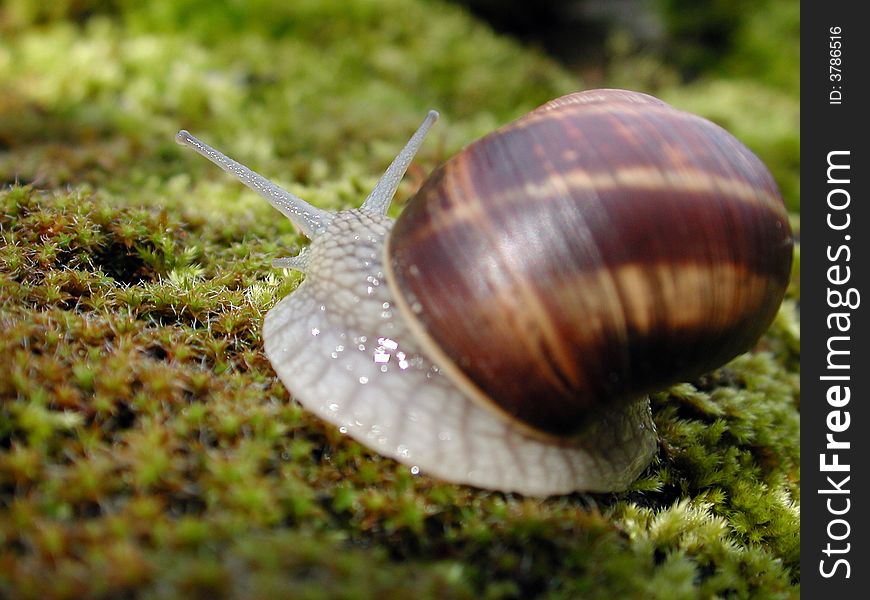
(147, 449)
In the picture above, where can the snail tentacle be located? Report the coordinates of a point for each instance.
(378, 201)
(298, 262)
(309, 219)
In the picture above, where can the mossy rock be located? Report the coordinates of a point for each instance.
(147, 448)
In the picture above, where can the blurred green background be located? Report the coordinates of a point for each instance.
(147, 449)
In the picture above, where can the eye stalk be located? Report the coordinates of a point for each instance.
(309, 219)
(379, 199)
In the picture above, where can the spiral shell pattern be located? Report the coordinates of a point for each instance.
(601, 247)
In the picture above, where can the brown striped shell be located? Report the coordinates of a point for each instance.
(601, 247)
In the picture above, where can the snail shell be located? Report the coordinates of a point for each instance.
(505, 331)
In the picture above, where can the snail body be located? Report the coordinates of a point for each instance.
(505, 330)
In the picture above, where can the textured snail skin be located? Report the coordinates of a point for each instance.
(649, 288)
(602, 247)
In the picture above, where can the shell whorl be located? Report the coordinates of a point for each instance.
(603, 246)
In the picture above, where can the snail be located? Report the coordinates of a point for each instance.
(504, 331)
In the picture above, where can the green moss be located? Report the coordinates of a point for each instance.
(749, 39)
(147, 448)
